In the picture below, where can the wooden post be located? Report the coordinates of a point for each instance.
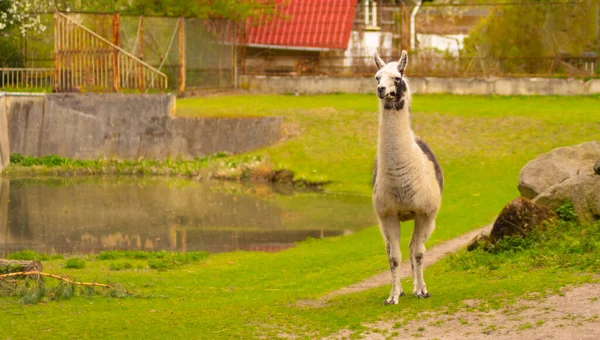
(405, 40)
(181, 87)
(57, 46)
(234, 71)
(117, 41)
(141, 56)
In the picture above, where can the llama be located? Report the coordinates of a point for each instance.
(407, 181)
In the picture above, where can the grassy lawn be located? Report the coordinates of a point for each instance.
(481, 142)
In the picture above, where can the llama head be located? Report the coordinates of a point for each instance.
(390, 83)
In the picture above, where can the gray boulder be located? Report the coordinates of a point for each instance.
(582, 190)
(567, 173)
(556, 166)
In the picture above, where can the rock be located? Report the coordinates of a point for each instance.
(582, 190)
(565, 174)
(481, 240)
(518, 218)
(556, 166)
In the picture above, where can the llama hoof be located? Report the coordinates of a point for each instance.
(422, 295)
(393, 300)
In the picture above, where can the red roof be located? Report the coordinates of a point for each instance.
(321, 24)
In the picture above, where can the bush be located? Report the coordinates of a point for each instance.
(565, 244)
(566, 212)
(75, 263)
(27, 255)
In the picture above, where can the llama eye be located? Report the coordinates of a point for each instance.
(398, 79)
(378, 77)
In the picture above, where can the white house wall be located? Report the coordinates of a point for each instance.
(371, 41)
(451, 42)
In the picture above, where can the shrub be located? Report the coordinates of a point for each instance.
(566, 212)
(75, 263)
(27, 255)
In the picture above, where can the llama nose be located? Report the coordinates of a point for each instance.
(393, 94)
(381, 91)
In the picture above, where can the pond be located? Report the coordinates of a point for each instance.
(88, 215)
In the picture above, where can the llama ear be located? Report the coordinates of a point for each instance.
(402, 62)
(378, 61)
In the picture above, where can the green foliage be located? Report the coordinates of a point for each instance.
(34, 290)
(566, 212)
(28, 255)
(229, 9)
(160, 260)
(513, 244)
(10, 56)
(75, 263)
(516, 37)
(58, 165)
(560, 245)
(31, 291)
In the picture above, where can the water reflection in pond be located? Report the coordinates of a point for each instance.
(87, 215)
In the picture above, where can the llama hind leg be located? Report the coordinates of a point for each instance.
(424, 226)
(390, 229)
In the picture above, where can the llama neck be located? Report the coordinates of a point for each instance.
(396, 139)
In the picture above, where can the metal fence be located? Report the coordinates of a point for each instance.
(108, 52)
(86, 61)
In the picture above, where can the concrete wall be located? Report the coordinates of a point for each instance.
(477, 86)
(120, 126)
(4, 146)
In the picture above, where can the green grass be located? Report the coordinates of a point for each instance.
(481, 142)
(55, 165)
(251, 294)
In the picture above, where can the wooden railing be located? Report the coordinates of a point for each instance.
(86, 61)
(26, 78)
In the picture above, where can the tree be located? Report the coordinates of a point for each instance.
(517, 38)
(22, 15)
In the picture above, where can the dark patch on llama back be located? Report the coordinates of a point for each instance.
(438, 169)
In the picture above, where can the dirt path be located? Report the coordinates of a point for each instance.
(574, 314)
(433, 255)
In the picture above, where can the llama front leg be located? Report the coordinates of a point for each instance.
(424, 226)
(390, 228)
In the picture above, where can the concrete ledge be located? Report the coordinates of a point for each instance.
(426, 85)
(126, 126)
(4, 146)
